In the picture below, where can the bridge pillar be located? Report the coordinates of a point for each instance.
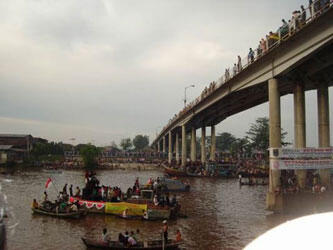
(184, 146)
(323, 128)
(274, 199)
(213, 144)
(158, 146)
(299, 128)
(177, 147)
(170, 148)
(193, 145)
(203, 145)
(164, 144)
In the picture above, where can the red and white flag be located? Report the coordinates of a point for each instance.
(48, 183)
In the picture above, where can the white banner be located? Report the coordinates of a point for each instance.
(300, 164)
(298, 153)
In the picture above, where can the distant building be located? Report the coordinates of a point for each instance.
(15, 147)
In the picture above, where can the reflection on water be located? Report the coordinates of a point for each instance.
(221, 215)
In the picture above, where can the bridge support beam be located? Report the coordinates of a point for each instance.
(177, 148)
(193, 145)
(213, 143)
(184, 146)
(299, 128)
(170, 148)
(274, 199)
(203, 145)
(164, 145)
(323, 128)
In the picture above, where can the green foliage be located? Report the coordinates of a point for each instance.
(140, 142)
(41, 149)
(126, 143)
(224, 141)
(258, 135)
(89, 153)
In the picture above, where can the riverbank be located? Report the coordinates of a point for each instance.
(111, 166)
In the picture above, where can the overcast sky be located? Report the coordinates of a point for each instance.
(99, 71)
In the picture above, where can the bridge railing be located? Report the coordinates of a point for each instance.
(298, 21)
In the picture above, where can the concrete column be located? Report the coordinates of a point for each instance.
(323, 128)
(158, 146)
(193, 145)
(274, 199)
(170, 148)
(164, 145)
(213, 143)
(177, 147)
(299, 128)
(183, 147)
(203, 145)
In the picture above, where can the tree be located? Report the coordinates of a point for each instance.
(89, 153)
(140, 142)
(258, 134)
(224, 141)
(126, 143)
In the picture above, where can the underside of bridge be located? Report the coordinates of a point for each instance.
(311, 71)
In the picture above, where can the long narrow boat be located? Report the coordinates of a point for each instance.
(73, 215)
(115, 245)
(174, 172)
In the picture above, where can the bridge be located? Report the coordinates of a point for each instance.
(294, 62)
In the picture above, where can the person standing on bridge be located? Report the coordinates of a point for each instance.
(250, 56)
(234, 69)
(239, 63)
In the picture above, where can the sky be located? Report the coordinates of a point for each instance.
(99, 71)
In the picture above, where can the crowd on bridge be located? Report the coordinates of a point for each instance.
(298, 20)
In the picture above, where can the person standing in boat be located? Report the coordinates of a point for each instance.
(64, 190)
(106, 237)
(165, 231)
(71, 190)
(78, 192)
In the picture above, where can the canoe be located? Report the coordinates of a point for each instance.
(174, 172)
(115, 245)
(73, 215)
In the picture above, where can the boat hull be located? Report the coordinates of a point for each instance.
(151, 245)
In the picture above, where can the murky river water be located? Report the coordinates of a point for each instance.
(221, 215)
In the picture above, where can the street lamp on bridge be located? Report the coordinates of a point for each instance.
(190, 86)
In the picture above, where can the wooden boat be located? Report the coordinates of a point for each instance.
(72, 215)
(115, 245)
(174, 172)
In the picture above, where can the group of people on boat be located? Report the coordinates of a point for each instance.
(93, 191)
(252, 176)
(131, 239)
(289, 183)
(60, 205)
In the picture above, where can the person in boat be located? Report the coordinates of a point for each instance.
(131, 240)
(165, 231)
(78, 192)
(121, 239)
(106, 237)
(45, 197)
(156, 202)
(137, 235)
(74, 208)
(35, 204)
(126, 236)
(64, 190)
(125, 213)
(178, 236)
(173, 201)
(71, 190)
(137, 182)
(145, 214)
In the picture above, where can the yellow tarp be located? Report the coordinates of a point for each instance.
(119, 207)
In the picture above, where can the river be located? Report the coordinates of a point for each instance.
(221, 214)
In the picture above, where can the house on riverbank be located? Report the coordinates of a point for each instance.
(16, 147)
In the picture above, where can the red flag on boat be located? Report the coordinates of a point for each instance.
(48, 182)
